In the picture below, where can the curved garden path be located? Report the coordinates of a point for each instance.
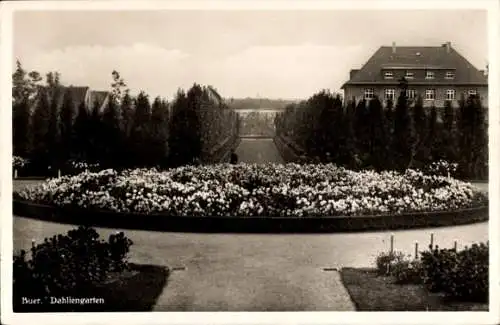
(258, 272)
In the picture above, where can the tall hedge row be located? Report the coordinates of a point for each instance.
(394, 136)
(50, 128)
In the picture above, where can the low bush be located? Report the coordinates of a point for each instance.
(401, 267)
(385, 260)
(65, 265)
(463, 275)
(408, 272)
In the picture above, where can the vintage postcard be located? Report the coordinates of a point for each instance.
(250, 162)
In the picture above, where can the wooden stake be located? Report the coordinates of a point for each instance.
(432, 240)
(416, 250)
(392, 244)
(455, 245)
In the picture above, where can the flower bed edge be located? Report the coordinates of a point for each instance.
(159, 222)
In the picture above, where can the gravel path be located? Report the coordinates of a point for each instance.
(230, 272)
(258, 151)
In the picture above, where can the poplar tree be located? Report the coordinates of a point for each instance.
(403, 138)
(66, 118)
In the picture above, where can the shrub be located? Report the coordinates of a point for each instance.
(385, 261)
(462, 275)
(470, 279)
(407, 271)
(66, 265)
(401, 267)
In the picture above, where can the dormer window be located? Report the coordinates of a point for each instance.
(429, 75)
(388, 75)
(449, 75)
(409, 75)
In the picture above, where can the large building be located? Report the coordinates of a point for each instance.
(436, 73)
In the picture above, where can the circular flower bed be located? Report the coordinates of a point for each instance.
(247, 190)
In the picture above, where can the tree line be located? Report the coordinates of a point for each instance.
(396, 136)
(50, 129)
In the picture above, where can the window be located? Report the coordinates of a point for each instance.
(472, 92)
(429, 75)
(409, 75)
(411, 93)
(369, 93)
(450, 94)
(388, 75)
(390, 94)
(449, 75)
(430, 94)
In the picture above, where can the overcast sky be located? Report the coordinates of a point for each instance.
(277, 54)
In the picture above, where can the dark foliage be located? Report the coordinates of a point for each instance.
(65, 265)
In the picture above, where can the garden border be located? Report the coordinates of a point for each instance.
(162, 222)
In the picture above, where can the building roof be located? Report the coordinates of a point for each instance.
(418, 57)
(77, 94)
(98, 97)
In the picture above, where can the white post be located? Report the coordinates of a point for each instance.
(15, 173)
(58, 173)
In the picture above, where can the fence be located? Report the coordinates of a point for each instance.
(416, 251)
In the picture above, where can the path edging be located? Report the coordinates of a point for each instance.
(158, 222)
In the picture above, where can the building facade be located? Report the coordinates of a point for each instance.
(437, 74)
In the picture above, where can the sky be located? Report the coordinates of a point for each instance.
(274, 54)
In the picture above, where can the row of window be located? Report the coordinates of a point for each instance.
(430, 94)
(428, 75)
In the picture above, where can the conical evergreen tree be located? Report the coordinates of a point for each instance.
(449, 134)
(21, 117)
(140, 133)
(40, 127)
(53, 136)
(66, 118)
(82, 133)
(377, 136)
(362, 132)
(95, 149)
(403, 138)
(159, 131)
(111, 135)
(421, 131)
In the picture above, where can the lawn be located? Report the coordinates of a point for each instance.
(134, 291)
(371, 292)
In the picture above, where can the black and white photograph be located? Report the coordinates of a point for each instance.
(273, 157)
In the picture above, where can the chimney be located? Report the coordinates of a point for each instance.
(448, 47)
(393, 47)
